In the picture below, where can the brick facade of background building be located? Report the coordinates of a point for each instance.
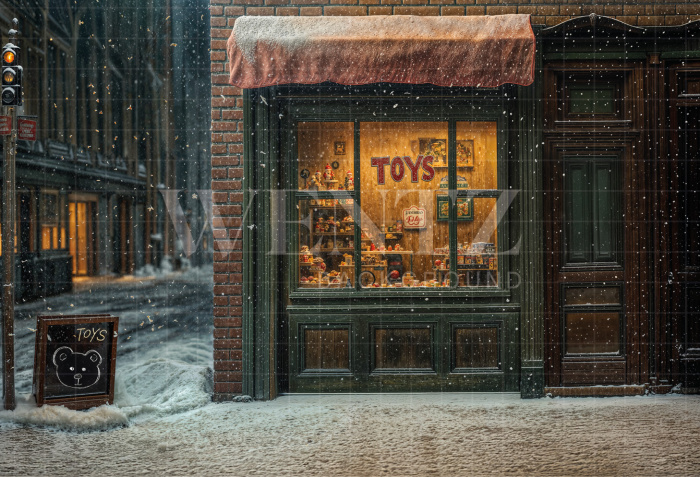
(227, 122)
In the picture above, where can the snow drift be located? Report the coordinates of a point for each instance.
(143, 391)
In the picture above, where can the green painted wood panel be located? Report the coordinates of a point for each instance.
(578, 221)
(591, 99)
(605, 220)
(431, 333)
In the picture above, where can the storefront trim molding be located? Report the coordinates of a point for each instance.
(680, 55)
(366, 295)
(374, 307)
(529, 153)
(249, 269)
(532, 379)
(596, 55)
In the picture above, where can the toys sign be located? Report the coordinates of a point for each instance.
(26, 129)
(414, 218)
(423, 168)
(75, 359)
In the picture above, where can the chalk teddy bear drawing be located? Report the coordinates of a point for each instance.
(77, 370)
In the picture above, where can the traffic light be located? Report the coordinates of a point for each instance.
(11, 76)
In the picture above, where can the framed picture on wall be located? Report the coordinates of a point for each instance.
(339, 148)
(465, 208)
(465, 153)
(434, 147)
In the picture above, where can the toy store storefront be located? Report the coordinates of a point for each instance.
(387, 241)
(475, 208)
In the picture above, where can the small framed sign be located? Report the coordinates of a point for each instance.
(75, 360)
(465, 208)
(465, 153)
(26, 128)
(436, 148)
(414, 218)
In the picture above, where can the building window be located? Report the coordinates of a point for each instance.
(375, 208)
(49, 221)
(33, 95)
(59, 121)
(53, 94)
(593, 218)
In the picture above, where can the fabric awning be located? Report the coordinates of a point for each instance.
(484, 51)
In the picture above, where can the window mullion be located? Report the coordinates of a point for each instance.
(357, 216)
(452, 193)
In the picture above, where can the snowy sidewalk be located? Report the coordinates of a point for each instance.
(163, 421)
(354, 435)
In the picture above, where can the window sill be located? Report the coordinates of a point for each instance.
(399, 293)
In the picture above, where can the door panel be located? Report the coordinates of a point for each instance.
(685, 246)
(585, 319)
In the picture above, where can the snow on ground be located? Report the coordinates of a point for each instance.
(164, 352)
(163, 422)
(396, 434)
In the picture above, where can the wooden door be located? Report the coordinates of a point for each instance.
(598, 170)
(586, 294)
(684, 275)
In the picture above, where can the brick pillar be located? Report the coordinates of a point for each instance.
(227, 196)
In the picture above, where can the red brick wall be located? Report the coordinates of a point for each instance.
(227, 124)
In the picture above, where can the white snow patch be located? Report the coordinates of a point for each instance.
(161, 386)
(166, 265)
(292, 34)
(146, 271)
(60, 417)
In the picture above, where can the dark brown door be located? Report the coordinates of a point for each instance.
(585, 325)
(684, 275)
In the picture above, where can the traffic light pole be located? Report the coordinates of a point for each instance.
(11, 98)
(8, 260)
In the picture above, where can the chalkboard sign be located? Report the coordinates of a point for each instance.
(75, 360)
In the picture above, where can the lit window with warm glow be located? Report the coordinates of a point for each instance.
(408, 206)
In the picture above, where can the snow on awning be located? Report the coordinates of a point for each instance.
(485, 51)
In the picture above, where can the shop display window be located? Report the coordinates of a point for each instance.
(402, 165)
(326, 159)
(379, 213)
(327, 236)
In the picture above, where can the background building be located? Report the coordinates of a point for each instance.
(120, 91)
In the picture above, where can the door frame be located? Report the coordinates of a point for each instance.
(684, 361)
(557, 275)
